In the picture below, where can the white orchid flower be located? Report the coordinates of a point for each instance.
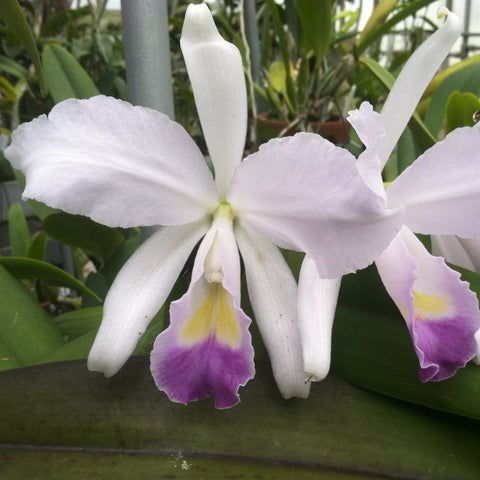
(128, 166)
(440, 194)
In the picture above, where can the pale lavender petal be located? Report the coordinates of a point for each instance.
(306, 194)
(273, 294)
(441, 189)
(216, 72)
(414, 79)
(118, 164)
(317, 301)
(440, 311)
(138, 292)
(207, 347)
(368, 125)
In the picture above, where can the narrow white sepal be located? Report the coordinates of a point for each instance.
(317, 301)
(414, 79)
(273, 294)
(138, 292)
(215, 70)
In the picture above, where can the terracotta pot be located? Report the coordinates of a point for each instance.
(334, 129)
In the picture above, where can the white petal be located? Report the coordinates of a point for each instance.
(118, 164)
(317, 301)
(413, 80)
(138, 292)
(441, 189)
(306, 194)
(216, 72)
(464, 252)
(273, 295)
(368, 125)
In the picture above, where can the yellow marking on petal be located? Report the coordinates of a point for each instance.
(214, 317)
(428, 307)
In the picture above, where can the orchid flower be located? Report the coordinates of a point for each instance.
(127, 166)
(439, 194)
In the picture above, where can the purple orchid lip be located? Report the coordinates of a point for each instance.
(206, 349)
(441, 312)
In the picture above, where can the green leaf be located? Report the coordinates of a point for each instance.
(26, 331)
(12, 67)
(32, 268)
(460, 110)
(38, 247)
(466, 79)
(66, 77)
(20, 237)
(76, 422)
(76, 349)
(316, 19)
(78, 322)
(372, 348)
(83, 232)
(12, 15)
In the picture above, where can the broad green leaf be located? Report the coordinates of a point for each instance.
(26, 330)
(32, 268)
(83, 232)
(76, 349)
(7, 360)
(38, 247)
(20, 237)
(81, 422)
(372, 348)
(11, 13)
(466, 79)
(460, 110)
(66, 77)
(78, 322)
(422, 135)
(316, 19)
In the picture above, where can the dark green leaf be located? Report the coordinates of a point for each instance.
(20, 237)
(38, 247)
(78, 424)
(32, 268)
(79, 321)
(316, 18)
(26, 330)
(83, 232)
(66, 77)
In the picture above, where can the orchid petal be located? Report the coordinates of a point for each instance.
(138, 292)
(440, 311)
(207, 346)
(314, 201)
(273, 295)
(368, 125)
(413, 80)
(317, 300)
(441, 189)
(215, 70)
(464, 252)
(118, 164)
